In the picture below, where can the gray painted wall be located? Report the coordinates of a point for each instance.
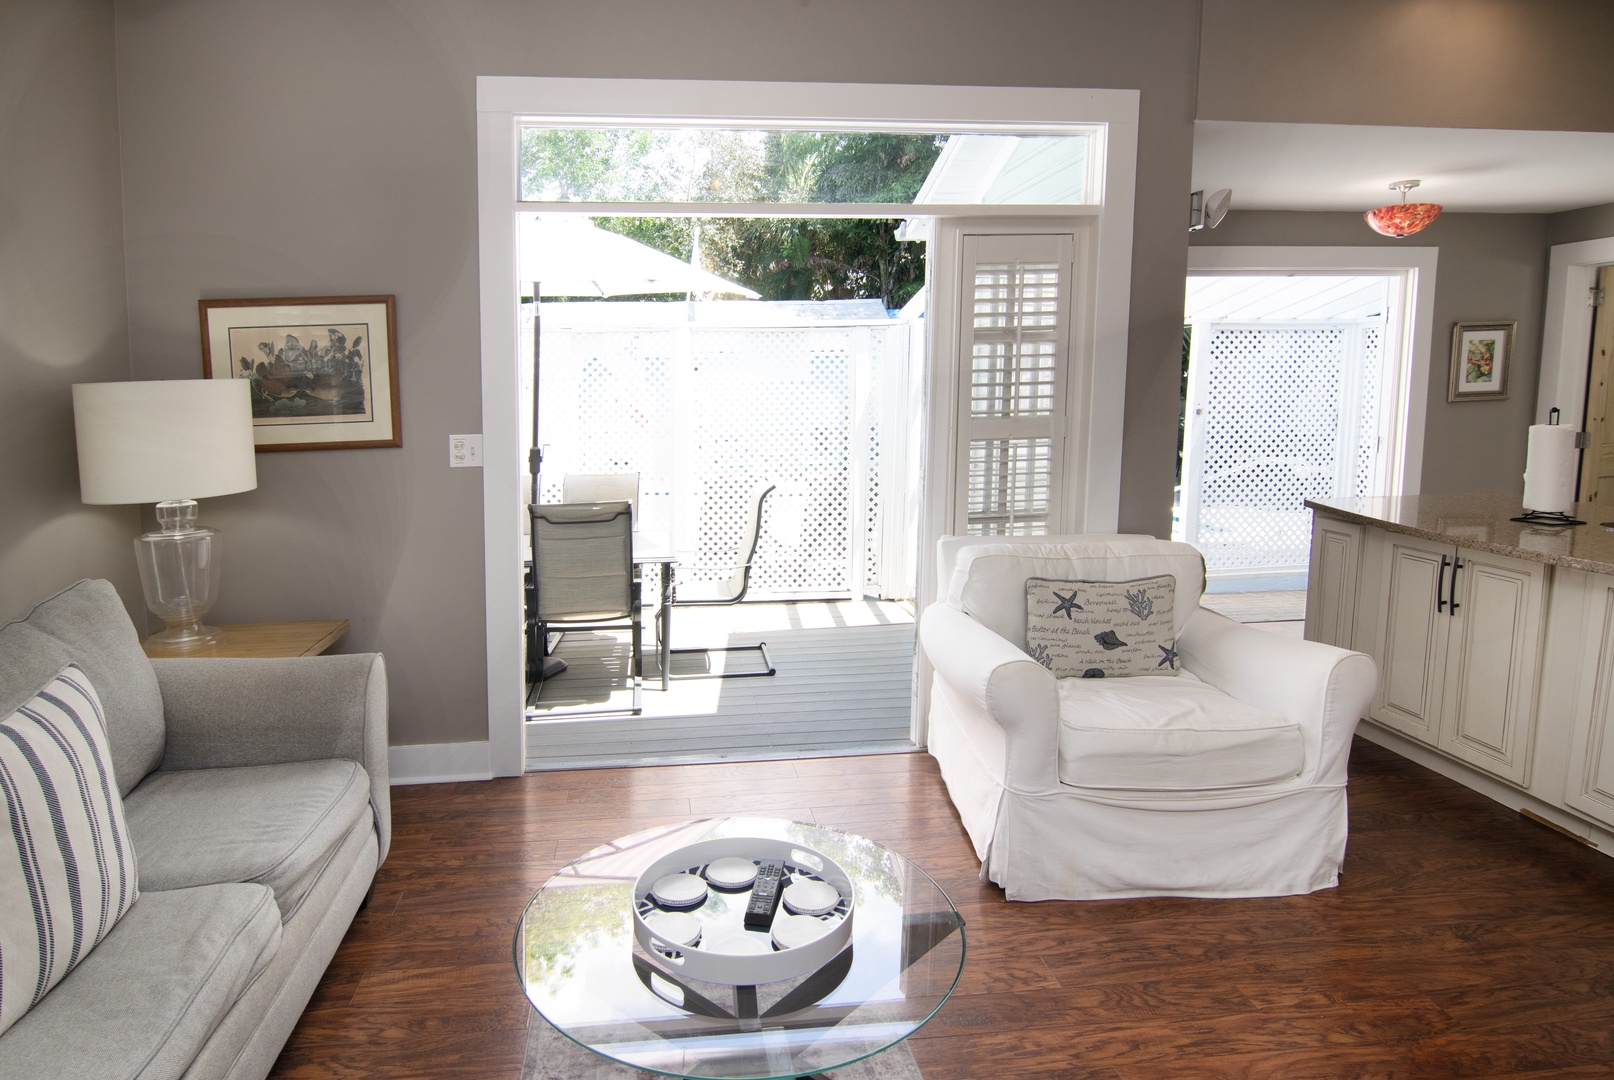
(285, 147)
(1493, 267)
(1587, 223)
(315, 148)
(62, 310)
(1529, 64)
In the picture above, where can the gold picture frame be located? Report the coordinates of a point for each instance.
(1481, 357)
(324, 369)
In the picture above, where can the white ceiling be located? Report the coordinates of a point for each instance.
(1340, 167)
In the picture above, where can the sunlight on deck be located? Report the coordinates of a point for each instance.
(844, 685)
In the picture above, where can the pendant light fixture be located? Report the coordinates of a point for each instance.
(1403, 218)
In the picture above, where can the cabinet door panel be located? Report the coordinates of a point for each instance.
(1491, 663)
(1411, 640)
(1590, 785)
(1331, 585)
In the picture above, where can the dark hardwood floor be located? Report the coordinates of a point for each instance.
(1463, 940)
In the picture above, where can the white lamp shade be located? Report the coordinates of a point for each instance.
(147, 442)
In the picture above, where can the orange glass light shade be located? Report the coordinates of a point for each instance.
(1402, 219)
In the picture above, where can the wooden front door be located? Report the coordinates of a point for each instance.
(1597, 463)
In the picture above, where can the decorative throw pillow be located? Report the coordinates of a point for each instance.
(67, 870)
(1102, 629)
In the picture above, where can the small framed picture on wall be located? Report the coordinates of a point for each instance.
(323, 369)
(1481, 354)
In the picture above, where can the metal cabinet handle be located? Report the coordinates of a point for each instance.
(1440, 585)
(1456, 565)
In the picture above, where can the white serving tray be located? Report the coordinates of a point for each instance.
(723, 914)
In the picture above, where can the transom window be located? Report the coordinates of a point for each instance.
(705, 165)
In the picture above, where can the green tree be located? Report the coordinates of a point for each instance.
(781, 258)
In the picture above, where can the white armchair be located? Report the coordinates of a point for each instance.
(1227, 779)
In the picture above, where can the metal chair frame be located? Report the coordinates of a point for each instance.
(741, 572)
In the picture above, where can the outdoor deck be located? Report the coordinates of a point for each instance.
(844, 683)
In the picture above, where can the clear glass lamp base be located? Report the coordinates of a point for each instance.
(179, 571)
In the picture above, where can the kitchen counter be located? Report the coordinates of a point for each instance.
(1480, 522)
(1494, 642)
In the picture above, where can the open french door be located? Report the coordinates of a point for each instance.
(1012, 359)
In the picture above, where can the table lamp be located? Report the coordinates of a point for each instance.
(168, 443)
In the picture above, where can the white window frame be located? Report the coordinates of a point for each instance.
(1406, 401)
(504, 101)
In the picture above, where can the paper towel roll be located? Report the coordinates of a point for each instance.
(1550, 465)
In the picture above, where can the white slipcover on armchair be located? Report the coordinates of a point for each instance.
(1227, 779)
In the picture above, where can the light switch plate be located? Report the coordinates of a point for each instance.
(465, 451)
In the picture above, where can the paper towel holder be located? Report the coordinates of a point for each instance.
(1549, 517)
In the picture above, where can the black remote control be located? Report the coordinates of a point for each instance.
(765, 894)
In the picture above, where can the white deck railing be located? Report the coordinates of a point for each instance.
(705, 399)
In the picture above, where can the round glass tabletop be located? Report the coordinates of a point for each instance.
(580, 966)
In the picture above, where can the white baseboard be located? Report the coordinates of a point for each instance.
(439, 763)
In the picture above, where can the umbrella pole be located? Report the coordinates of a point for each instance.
(547, 666)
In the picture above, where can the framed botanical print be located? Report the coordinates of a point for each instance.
(323, 369)
(1481, 354)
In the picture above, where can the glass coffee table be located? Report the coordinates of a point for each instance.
(584, 972)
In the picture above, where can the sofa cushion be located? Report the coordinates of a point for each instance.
(1101, 629)
(144, 1002)
(989, 579)
(67, 867)
(277, 825)
(86, 624)
(1156, 733)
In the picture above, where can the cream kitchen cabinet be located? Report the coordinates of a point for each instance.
(1336, 553)
(1589, 779)
(1510, 692)
(1456, 634)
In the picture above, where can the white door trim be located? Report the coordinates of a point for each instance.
(1566, 335)
(1410, 399)
(501, 100)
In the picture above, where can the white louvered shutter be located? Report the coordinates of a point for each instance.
(1016, 350)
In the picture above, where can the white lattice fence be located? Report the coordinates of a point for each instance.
(704, 413)
(1369, 415)
(606, 408)
(1279, 415)
(776, 405)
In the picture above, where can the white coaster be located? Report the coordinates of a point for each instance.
(674, 927)
(731, 873)
(790, 931)
(809, 897)
(732, 942)
(679, 891)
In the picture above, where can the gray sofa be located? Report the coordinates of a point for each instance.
(255, 793)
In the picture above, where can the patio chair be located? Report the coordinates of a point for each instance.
(601, 487)
(730, 590)
(582, 560)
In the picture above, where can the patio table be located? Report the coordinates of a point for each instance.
(654, 549)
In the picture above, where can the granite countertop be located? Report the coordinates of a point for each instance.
(1481, 522)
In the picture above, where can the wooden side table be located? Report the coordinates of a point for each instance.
(262, 639)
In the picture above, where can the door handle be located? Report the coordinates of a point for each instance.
(1440, 586)
(1456, 565)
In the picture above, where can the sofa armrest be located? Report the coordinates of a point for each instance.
(223, 713)
(1323, 689)
(994, 678)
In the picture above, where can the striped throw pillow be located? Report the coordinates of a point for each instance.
(67, 870)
